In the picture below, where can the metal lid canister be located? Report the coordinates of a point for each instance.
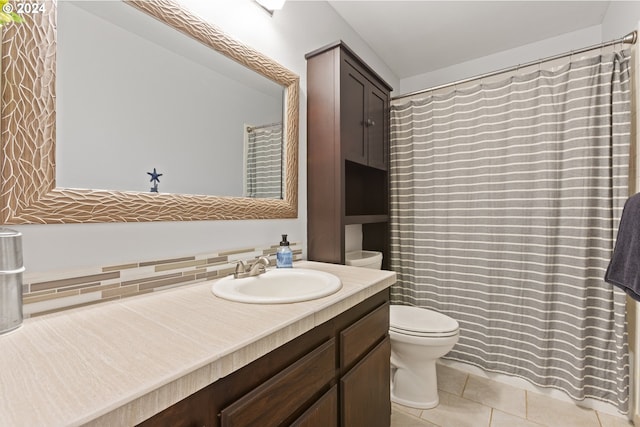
(11, 269)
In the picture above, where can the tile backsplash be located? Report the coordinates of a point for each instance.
(51, 292)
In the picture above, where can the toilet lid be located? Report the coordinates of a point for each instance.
(420, 321)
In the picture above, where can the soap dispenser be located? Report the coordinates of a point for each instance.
(284, 256)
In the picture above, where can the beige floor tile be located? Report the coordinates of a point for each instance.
(454, 411)
(402, 419)
(407, 410)
(556, 413)
(467, 400)
(607, 420)
(502, 419)
(504, 397)
(451, 380)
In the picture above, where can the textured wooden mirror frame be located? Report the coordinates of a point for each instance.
(29, 194)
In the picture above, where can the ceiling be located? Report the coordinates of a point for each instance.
(445, 33)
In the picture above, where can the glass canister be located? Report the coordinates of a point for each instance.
(11, 269)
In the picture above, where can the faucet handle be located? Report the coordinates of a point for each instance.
(241, 267)
(259, 266)
(264, 261)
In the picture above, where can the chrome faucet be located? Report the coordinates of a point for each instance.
(248, 270)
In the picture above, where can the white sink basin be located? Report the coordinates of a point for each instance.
(278, 286)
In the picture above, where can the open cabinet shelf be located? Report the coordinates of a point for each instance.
(365, 219)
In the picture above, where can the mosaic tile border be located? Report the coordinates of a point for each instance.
(53, 292)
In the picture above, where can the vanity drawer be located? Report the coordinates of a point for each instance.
(363, 335)
(286, 393)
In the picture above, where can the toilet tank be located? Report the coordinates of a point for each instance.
(366, 259)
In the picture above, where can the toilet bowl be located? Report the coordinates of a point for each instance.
(418, 338)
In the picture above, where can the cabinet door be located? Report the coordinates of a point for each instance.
(353, 93)
(366, 399)
(324, 413)
(376, 128)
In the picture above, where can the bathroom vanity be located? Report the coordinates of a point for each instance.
(186, 357)
(335, 374)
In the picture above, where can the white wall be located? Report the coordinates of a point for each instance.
(508, 58)
(621, 18)
(298, 28)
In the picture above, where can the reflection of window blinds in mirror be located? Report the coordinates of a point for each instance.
(264, 162)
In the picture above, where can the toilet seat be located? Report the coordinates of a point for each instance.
(421, 322)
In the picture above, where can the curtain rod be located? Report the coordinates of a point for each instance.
(630, 38)
(252, 128)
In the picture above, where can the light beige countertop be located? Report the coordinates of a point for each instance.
(118, 363)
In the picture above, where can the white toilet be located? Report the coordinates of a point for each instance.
(366, 259)
(418, 338)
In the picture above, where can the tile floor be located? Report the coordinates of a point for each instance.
(471, 401)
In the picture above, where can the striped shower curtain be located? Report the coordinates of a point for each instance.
(505, 201)
(264, 173)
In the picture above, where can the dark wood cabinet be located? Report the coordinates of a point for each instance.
(363, 111)
(364, 404)
(273, 402)
(364, 364)
(347, 153)
(360, 338)
(322, 413)
(337, 374)
(353, 114)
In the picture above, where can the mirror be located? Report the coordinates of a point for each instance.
(204, 121)
(29, 191)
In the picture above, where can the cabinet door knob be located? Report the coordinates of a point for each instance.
(370, 122)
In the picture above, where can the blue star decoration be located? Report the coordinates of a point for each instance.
(155, 178)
